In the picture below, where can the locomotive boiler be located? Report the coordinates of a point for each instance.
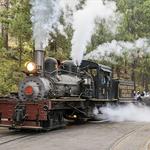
(53, 91)
(55, 83)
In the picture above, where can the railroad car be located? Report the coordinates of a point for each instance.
(52, 92)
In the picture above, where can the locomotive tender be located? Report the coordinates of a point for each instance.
(53, 91)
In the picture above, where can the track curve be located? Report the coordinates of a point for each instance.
(134, 140)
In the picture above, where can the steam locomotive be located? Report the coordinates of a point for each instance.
(53, 92)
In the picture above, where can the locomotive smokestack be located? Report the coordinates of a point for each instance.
(39, 57)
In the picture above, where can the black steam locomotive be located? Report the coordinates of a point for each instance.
(54, 91)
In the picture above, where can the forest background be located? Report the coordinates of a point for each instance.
(16, 44)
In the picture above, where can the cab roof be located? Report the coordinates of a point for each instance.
(92, 65)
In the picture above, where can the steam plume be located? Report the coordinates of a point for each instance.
(118, 47)
(84, 23)
(130, 112)
(69, 7)
(44, 14)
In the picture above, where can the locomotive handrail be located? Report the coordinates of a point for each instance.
(50, 72)
(59, 71)
(68, 71)
(85, 67)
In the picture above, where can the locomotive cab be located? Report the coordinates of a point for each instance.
(102, 76)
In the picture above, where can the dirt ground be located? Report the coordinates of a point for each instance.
(90, 136)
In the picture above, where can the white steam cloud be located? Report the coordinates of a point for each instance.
(118, 47)
(44, 15)
(69, 7)
(84, 24)
(130, 112)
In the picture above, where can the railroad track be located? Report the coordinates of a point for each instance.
(147, 146)
(99, 121)
(14, 136)
(8, 139)
(121, 140)
(132, 137)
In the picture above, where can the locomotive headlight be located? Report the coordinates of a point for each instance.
(30, 67)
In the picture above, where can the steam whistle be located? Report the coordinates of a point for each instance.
(78, 70)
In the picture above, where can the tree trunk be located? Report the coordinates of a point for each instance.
(20, 52)
(5, 27)
(2, 30)
(118, 73)
(113, 71)
(143, 80)
(146, 84)
(4, 33)
(133, 78)
(6, 37)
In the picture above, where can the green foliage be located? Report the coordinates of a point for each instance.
(136, 19)
(101, 35)
(9, 75)
(17, 19)
(20, 25)
(10, 71)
